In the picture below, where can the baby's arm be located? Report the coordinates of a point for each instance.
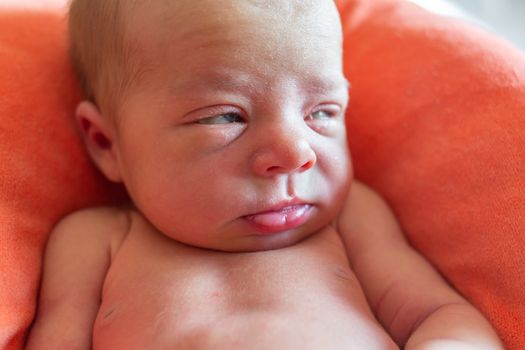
(77, 258)
(408, 296)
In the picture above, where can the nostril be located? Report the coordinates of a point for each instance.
(309, 164)
(304, 167)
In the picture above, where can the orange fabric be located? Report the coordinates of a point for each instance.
(436, 124)
(44, 172)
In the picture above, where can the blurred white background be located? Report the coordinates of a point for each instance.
(506, 18)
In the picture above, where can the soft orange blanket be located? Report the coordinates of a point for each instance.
(436, 124)
(44, 172)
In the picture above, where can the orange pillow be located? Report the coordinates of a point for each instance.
(44, 172)
(437, 125)
(434, 125)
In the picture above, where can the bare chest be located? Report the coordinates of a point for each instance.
(162, 294)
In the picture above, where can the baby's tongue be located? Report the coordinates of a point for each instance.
(280, 217)
(269, 219)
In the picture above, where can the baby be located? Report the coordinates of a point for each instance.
(225, 122)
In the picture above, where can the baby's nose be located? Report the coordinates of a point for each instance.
(284, 155)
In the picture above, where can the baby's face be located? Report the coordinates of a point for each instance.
(234, 139)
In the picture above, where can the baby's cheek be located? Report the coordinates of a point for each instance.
(337, 169)
(335, 160)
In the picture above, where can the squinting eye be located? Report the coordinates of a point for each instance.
(227, 118)
(319, 115)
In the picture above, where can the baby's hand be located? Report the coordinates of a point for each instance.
(456, 326)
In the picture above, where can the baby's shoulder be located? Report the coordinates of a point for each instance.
(102, 226)
(362, 199)
(103, 218)
(365, 211)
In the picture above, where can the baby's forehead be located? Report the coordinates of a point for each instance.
(181, 19)
(186, 12)
(199, 35)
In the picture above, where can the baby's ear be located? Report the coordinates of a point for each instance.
(99, 136)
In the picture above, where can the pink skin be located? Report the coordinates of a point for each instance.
(234, 139)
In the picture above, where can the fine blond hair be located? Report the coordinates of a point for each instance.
(102, 55)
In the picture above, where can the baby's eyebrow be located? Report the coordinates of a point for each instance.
(217, 81)
(324, 86)
(242, 81)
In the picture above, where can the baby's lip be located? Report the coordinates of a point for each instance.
(284, 216)
(279, 206)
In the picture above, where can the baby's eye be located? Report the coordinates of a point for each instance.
(319, 115)
(325, 119)
(227, 118)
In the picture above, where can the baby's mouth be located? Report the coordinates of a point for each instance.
(283, 219)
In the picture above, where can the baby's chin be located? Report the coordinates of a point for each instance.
(251, 244)
(259, 244)
(264, 241)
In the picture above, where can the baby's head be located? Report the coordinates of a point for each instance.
(224, 120)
